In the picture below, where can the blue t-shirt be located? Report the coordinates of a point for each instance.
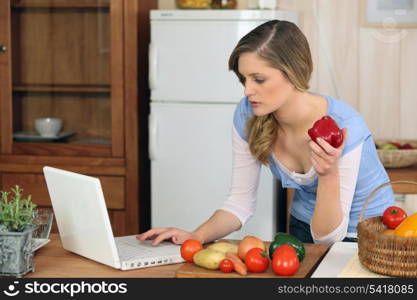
(371, 171)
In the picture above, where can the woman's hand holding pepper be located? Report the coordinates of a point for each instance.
(325, 157)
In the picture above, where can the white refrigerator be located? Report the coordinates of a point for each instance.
(193, 97)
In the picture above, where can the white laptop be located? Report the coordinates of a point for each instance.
(84, 225)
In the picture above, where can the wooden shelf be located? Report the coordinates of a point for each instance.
(59, 3)
(62, 149)
(63, 88)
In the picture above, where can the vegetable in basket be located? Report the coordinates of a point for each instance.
(408, 227)
(393, 216)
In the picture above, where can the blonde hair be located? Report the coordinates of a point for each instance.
(284, 47)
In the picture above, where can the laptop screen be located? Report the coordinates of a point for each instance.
(81, 215)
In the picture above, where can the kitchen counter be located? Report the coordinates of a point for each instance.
(409, 173)
(336, 259)
(53, 261)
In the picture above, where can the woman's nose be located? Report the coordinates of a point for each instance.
(248, 90)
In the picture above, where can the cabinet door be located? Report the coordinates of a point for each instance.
(61, 84)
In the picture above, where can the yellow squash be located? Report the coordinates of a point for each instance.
(408, 227)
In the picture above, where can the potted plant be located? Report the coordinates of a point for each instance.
(16, 218)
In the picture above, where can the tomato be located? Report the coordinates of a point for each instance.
(256, 259)
(248, 243)
(189, 248)
(226, 266)
(393, 216)
(285, 261)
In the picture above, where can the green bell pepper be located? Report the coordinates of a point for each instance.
(285, 238)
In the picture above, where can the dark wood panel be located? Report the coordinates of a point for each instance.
(5, 80)
(63, 160)
(35, 184)
(86, 169)
(117, 79)
(62, 88)
(119, 223)
(62, 149)
(70, 46)
(131, 121)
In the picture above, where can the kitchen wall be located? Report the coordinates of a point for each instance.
(371, 68)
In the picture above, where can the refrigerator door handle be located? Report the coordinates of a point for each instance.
(153, 66)
(152, 136)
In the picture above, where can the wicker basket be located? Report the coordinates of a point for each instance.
(385, 254)
(397, 158)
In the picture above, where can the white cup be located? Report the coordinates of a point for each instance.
(48, 127)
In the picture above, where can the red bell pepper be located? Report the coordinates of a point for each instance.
(327, 129)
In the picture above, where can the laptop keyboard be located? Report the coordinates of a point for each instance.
(129, 248)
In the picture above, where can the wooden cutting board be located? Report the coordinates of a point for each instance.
(314, 254)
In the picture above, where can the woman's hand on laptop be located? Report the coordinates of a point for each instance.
(177, 236)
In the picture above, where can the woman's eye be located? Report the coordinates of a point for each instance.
(259, 81)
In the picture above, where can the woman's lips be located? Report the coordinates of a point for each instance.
(255, 104)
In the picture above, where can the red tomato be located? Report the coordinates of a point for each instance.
(285, 261)
(393, 216)
(256, 259)
(189, 248)
(226, 266)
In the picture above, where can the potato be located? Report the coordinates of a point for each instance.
(209, 258)
(224, 247)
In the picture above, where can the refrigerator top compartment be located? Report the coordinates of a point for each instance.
(217, 15)
(189, 53)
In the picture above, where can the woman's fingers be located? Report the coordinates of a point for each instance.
(316, 149)
(177, 236)
(328, 149)
(151, 234)
(318, 152)
(164, 236)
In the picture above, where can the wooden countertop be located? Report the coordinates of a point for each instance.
(53, 261)
(409, 173)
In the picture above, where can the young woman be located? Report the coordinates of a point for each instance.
(273, 62)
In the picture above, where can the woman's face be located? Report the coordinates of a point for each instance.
(267, 88)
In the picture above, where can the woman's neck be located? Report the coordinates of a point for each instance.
(299, 113)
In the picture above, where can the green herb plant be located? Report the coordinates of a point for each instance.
(15, 213)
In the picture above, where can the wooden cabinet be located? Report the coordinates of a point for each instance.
(76, 60)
